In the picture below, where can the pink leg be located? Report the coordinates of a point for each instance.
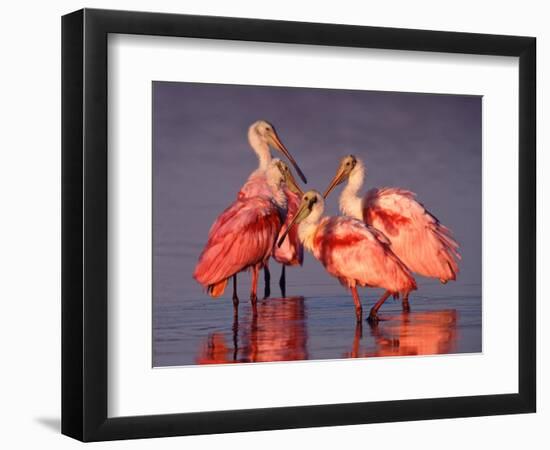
(254, 287)
(373, 316)
(358, 307)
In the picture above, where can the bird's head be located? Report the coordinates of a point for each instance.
(312, 202)
(263, 132)
(288, 177)
(345, 168)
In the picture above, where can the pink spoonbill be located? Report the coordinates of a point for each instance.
(291, 252)
(350, 250)
(243, 236)
(262, 136)
(417, 237)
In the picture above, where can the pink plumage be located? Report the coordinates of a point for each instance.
(255, 185)
(417, 237)
(242, 237)
(291, 252)
(357, 254)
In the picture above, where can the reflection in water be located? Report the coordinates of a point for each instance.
(276, 333)
(310, 328)
(407, 334)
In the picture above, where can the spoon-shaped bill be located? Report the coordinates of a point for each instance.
(276, 142)
(303, 211)
(338, 178)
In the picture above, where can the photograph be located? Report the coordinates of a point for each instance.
(296, 223)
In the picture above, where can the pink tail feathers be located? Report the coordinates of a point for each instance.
(210, 270)
(215, 290)
(448, 252)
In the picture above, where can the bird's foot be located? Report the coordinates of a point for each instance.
(406, 307)
(373, 318)
(267, 292)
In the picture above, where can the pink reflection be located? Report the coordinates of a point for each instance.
(276, 333)
(214, 351)
(407, 334)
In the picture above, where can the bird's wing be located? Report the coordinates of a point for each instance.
(417, 237)
(350, 250)
(243, 237)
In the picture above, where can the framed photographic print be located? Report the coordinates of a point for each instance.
(274, 224)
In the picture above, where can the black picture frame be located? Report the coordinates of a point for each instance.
(84, 224)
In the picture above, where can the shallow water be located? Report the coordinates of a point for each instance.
(206, 331)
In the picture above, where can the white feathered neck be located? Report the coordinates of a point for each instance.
(351, 203)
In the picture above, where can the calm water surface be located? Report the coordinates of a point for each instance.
(205, 331)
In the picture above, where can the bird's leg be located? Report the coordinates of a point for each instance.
(267, 281)
(373, 316)
(282, 281)
(358, 307)
(235, 296)
(254, 288)
(406, 306)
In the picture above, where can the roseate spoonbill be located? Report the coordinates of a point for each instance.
(351, 251)
(417, 237)
(291, 252)
(243, 237)
(261, 136)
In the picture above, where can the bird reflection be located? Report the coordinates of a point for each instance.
(407, 334)
(277, 332)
